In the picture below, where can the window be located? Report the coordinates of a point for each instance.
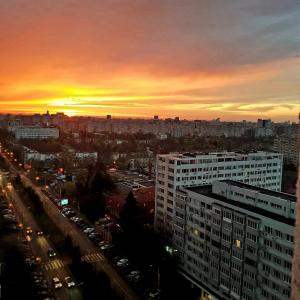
(289, 251)
(278, 247)
(236, 266)
(238, 219)
(287, 265)
(268, 243)
(249, 286)
(252, 224)
(238, 243)
(277, 260)
(252, 237)
(286, 278)
(250, 274)
(290, 238)
(268, 230)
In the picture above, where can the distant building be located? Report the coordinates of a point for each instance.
(91, 156)
(264, 128)
(33, 132)
(235, 241)
(30, 155)
(287, 145)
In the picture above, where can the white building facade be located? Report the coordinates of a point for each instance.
(173, 171)
(235, 241)
(33, 132)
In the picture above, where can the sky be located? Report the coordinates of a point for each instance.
(196, 59)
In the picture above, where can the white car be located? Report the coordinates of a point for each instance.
(88, 230)
(122, 262)
(106, 246)
(56, 282)
(70, 283)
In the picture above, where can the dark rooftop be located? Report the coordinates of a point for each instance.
(281, 195)
(207, 191)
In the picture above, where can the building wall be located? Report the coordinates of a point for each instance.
(287, 145)
(233, 252)
(173, 171)
(36, 133)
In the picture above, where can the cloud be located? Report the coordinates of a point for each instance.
(156, 52)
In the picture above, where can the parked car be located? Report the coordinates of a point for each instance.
(106, 247)
(56, 282)
(69, 282)
(88, 230)
(123, 262)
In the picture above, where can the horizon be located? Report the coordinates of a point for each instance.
(160, 118)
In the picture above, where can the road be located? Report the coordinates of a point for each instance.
(88, 249)
(39, 247)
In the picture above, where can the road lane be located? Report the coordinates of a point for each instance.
(40, 246)
(78, 238)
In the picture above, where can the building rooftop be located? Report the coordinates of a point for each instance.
(207, 191)
(281, 195)
(221, 154)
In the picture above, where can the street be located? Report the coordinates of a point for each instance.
(88, 249)
(39, 246)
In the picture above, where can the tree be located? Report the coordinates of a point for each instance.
(130, 213)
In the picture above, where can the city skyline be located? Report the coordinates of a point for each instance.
(199, 60)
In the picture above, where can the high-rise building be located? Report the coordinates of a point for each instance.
(234, 240)
(173, 171)
(287, 145)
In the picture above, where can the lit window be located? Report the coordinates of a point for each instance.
(238, 243)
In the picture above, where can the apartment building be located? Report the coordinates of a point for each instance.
(34, 132)
(173, 171)
(235, 241)
(287, 145)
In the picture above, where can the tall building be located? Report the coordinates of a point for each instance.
(173, 171)
(235, 241)
(287, 145)
(264, 128)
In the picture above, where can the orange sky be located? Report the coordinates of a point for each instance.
(193, 59)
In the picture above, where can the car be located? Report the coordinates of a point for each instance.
(154, 294)
(39, 233)
(73, 219)
(56, 282)
(88, 230)
(51, 253)
(94, 235)
(134, 273)
(9, 217)
(106, 247)
(6, 211)
(134, 276)
(83, 226)
(28, 230)
(102, 243)
(69, 282)
(122, 262)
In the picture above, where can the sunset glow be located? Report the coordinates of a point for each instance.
(136, 58)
